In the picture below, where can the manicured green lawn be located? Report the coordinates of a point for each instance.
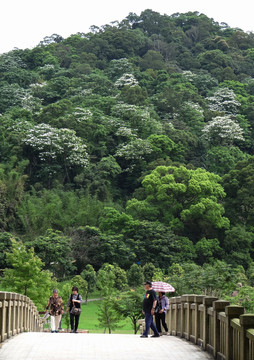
(88, 320)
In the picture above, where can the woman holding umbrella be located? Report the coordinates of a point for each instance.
(160, 315)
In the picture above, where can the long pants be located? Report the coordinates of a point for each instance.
(55, 321)
(74, 322)
(150, 324)
(160, 318)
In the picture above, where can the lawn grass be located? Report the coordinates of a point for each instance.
(89, 321)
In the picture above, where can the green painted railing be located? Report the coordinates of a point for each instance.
(217, 327)
(17, 314)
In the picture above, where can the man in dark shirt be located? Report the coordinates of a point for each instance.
(149, 304)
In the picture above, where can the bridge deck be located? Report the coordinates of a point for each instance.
(43, 346)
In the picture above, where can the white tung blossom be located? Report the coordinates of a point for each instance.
(31, 103)
(223, 100)
(47, 67)
(126, 80)
(222, 129)
(194, 106)
(118, 67)
(189, 75)
(11, 62)
(126, 111)
(124, 132)
(134, 150)
(52, 143)
(82, 115)
(21, 127)
(82, 92)
(189, 105)
(38, 85)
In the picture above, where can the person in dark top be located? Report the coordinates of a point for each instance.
(149, 304)
(74, 300)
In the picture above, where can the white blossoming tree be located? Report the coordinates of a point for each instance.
(126, 80)
(224, 100)
(55, 148)
(140, 119)
(222, 130)
(82, 115)
(11, 61)
(52, 143)
(10, 96)
(133, 153)
(30, 102)
(118, 67)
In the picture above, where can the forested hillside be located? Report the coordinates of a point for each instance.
(130, 144)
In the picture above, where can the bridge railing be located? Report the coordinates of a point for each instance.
(219, 328)
(17, 314)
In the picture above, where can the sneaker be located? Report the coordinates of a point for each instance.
(72, 331)
(143, 336)
(56, 331)
(52, 331)
(155, 335)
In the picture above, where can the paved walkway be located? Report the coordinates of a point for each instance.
(44, 346)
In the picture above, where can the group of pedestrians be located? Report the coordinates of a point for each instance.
(154, 306)
(55, 307)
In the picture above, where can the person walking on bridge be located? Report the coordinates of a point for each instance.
(55, 307)
(149, 304)
(161, 314)
(74, 305)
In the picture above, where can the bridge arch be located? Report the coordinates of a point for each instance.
(221, 329)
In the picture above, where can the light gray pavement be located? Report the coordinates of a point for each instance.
(44, 346)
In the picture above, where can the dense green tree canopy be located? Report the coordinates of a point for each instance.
(186, 200)
(128, 145)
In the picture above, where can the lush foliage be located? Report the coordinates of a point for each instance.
(25, 276)
(128, 145)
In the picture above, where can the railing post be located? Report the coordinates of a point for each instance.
(178, 315)
(34, 327)
(172, 318)
(207, 302)
(14, 310)
(3, 316)
(30, 311)
(189, 324)
(186, 301)
(246, 322)
(29, 314)
(182, 316)
(218, 306)
(9, 316)
(198, 299)
(232, 311)
(22, 313)
(25, 313)
(18, 314)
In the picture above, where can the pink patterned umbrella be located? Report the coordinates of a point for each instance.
(162, 286)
